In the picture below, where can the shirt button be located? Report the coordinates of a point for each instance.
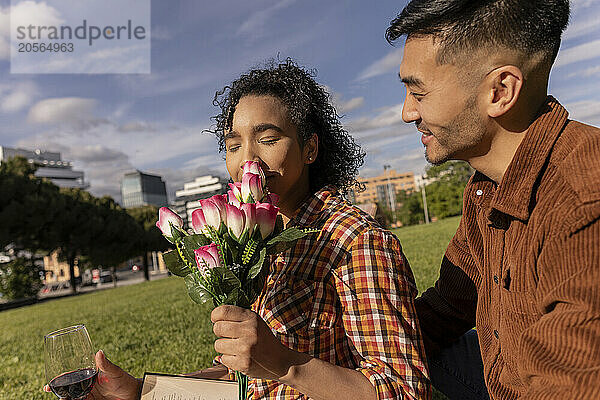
(479, 192)
(496, 334)
(496, 280)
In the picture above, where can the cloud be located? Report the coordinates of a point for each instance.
(382, 66)
(32, 13)
(17, 96)
(587, 111)
(154, 148)
(96, 153)
(253, 27)
(581, 28)
(386, 117)
(136, 126)
(23, 14)
(586, 73)
(582, 52)
(62, 110)
(342, 105)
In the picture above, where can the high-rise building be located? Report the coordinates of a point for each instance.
(49, 165)
(141, 189)
(383, 189)
(186, 200)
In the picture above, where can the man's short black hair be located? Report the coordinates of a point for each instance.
(530, 27)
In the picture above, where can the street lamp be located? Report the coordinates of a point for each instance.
(425, 210)
(391, 193)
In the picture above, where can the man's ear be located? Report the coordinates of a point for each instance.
(503, 86)
(311, 149)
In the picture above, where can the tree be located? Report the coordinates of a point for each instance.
(28, 212)
(119, 237)
(152, 239)
(20, 278)
(29, 207)
(97, 228)
(445, 193)
(411, 210)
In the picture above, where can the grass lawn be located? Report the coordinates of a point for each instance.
(152, 326)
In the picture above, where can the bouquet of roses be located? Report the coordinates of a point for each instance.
(224, 256)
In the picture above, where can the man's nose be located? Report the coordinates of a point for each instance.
(409, 110)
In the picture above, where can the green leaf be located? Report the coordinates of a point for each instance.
(287, 239)
(225, 279)
(197, 292)
(191, 243)
(289, 235)
(259, 265)
(237, 297)
(280, 247)
(249, 250)
(176, 233)
(174, 264)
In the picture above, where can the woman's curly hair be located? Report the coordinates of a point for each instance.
(309, 108)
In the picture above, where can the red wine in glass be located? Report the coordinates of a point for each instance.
(74, 384)
(70, 365)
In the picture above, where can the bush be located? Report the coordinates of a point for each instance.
(20, 279)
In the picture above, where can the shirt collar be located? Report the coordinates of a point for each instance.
(515, 191)
(310, 209)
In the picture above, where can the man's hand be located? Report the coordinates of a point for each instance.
(249, 346)
(112, 382)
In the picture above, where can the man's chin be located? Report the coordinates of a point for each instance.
(435, 159)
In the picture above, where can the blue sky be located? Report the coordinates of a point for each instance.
(108, 124)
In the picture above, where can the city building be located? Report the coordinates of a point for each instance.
(49, 165)
(57, 270)
(186, 200)
(141, 189)
(382, 189)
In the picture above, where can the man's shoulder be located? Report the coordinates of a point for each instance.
(576, 158)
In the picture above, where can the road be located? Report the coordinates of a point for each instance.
(124, 278)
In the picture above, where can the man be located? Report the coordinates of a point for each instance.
(524, 264)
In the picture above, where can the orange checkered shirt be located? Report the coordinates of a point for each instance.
(345, 296)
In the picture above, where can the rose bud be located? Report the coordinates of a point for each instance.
(266, 215)
(252, 190)
(207, 257)
(166, 217)
(235, 222)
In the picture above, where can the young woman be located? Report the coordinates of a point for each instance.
(336, 318)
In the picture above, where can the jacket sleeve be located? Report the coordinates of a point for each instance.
(561, 351)
(447, 310)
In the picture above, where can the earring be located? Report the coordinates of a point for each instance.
(309, 158)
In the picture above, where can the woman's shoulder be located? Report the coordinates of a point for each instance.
(346, 223)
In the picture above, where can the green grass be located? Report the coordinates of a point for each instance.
(152, 326)
(424, 246)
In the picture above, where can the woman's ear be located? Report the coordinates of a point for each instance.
(311, 149)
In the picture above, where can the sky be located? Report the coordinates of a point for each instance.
(109, 124)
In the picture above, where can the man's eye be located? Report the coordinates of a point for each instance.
(417, 96)
(233, 148)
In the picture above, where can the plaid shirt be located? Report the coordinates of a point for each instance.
(345, 296)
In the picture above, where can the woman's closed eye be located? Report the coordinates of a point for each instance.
(269, 140)
(232, 148)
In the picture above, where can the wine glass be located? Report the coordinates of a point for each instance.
(70, 366)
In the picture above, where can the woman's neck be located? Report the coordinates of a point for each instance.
(291, 202)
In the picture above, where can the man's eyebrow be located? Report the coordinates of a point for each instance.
(411, 81)
(265, 126)
(231, 135)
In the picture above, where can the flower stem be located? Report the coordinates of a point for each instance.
(242, 385)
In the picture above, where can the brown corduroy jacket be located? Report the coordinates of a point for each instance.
(524, 267)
